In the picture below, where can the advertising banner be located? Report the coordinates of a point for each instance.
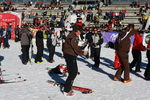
(111, 37)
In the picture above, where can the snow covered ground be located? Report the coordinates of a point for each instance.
(100, 80)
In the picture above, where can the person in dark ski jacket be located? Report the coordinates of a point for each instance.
(51, 44)
(26, 37)
(122, 49)
(136, 52)
(71, 51)
(147, 71)
(89, 41)
(40, 46)
(97, 41)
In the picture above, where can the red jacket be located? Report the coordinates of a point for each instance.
(78, 24)
(99, 11)
(138, 4)
(113, 14)
(124, 11)
(120, 14)
(148, 46)
(137, 44)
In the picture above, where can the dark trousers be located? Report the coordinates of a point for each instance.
(147, 71)
(6, 43)
(136, 59)
(25, 53)
(96, 53)
(51, 50)
(39, 53)
(91, 51)
(72, 70)
(123, 57)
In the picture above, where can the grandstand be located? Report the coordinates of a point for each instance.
(131, 15)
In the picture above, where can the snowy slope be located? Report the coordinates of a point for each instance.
(100, 80)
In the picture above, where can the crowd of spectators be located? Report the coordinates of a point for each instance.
(7, 6)
(144, 13)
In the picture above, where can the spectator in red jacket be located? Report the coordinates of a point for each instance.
(79, 22)
(99, 12)
(136, 52)
(147, 71)
(113, 14)
(1, 9)
(10, 2)
(120, 15)
(138, 4)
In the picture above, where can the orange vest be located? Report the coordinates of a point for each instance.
(137, 44)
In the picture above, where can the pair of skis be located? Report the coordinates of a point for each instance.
(15, 79)
(62, 69)
(80, 89)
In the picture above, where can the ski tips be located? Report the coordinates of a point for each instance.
(87, 92)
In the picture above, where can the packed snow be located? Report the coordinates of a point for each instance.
(100, 80)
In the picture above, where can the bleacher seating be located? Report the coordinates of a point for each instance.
(131, 15)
